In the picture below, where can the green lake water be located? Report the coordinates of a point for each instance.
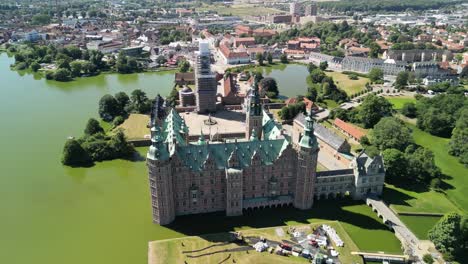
(51, 214)
(291, 78)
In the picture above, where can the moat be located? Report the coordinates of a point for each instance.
(56, 214)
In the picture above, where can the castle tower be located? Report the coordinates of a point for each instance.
(253, 115)
(307, 149)
(160, 179)
(205, 81)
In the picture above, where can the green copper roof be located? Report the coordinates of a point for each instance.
(158, 150)
(195, 156)
(271, 130)
(308, 140)
(172, 128)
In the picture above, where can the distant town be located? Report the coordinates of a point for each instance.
(374, 142)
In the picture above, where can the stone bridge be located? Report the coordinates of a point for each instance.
(409, 241)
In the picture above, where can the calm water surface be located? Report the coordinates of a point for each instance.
(51, 214)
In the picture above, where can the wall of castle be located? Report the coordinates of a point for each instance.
(334, 186)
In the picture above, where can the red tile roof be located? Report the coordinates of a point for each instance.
(349, 128)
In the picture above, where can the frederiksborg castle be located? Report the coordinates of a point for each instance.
(267, 168)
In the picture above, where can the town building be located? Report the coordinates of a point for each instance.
(417, 55)
(311, 9)
(265, 169)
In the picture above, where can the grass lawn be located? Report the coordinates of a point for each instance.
(346, 84)
(398, 102)
(420, 225)
(217, 249)
(413, 200)
(363, 226)
(330, 104)
(457, 182)
(134, 126)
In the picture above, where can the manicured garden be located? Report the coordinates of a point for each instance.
(345, 83)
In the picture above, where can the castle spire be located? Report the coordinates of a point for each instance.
(253, 136)
(255, 108)
(201, 139)
(309, 140)
(157, 150)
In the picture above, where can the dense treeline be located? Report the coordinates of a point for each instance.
(329, 33)
(444, 115)
(439, 114)
(170, 34)
(95, 145)
(321, 86)
(387, 5)
(450, 236)
(368, 114)
(70, 61)
(118, 107)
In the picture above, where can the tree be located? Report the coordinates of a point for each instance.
(161, 60)
(311, 67)
(269, 58)
(374, 50)
(118, 121)
(40, 19)
(376, 74)
(108, 107)
(464, 72)
(390, 132)
(172, 98)
(401, 80)
(123, 102)
(120, 147)
(75, 68)
(458, 143)
(323, 65)
(447, 234)
(395, 165)
(421, 164)
(317, 76)
(88, 67)
(93, 127)
(427, 258)
(35, 66)
(284, 58)
(74, 154)
(141, 104)
(373, 108)
(62, 75)
(184, 66)
(269, 85)
(409, 110)
(259, 58)
(436, 122)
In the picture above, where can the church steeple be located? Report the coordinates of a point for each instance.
(254, 111)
